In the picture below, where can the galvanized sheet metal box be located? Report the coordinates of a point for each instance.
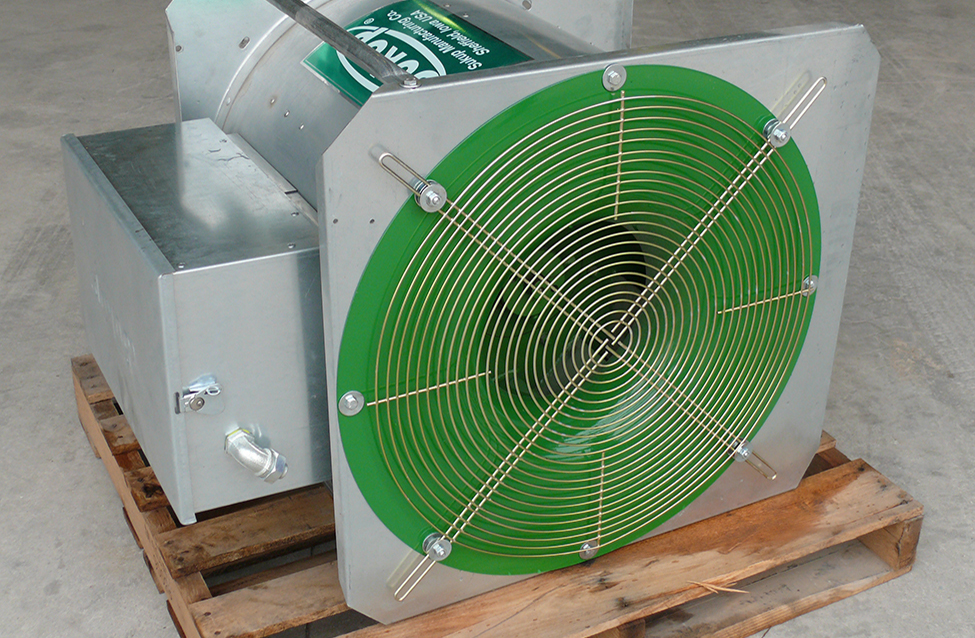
(194, 262)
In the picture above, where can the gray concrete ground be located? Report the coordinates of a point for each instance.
(902, 387)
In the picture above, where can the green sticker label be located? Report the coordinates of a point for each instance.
(418, 36)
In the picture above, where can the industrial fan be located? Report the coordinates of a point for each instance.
(571, 298)
(590, 329)
(605, 309)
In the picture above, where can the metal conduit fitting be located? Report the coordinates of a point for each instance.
(264, 462)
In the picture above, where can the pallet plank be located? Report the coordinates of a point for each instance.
(122, 441)
(299, 518)
(848, 525)
(270, 573)
(826, 458)
(897, 544)
(648, 577)
(775, 597)
(119, 435)
(826, 442)
(90, 378)
(635, 629)
(269, 607)
(145, 525)
(146, 490)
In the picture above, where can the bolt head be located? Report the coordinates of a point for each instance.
(809, 285)
(614, 77)
(588, 550)
(351, 403)
(197, 403)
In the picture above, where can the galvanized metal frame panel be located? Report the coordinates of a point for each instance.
(605, 24)
(357, 200)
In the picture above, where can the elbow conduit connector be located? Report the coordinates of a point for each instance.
(265, 463)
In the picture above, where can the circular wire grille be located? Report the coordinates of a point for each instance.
(572, 350)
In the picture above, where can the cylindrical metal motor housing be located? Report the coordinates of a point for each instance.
(250, 72)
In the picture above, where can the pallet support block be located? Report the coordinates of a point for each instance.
(848, 529)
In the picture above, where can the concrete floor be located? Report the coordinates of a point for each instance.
(902, 387)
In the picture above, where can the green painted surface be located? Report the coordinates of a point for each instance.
(421, 37)
(572, 350)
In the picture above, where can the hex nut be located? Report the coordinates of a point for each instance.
(614, 77)
(437, 547)
(777, 133)
(432, 197)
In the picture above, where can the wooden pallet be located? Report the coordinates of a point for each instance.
(264, 567)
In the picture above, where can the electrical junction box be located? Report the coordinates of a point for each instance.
(199, 272)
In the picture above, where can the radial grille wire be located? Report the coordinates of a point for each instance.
(572, 350)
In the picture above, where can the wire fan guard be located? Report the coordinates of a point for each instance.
(573, 349)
